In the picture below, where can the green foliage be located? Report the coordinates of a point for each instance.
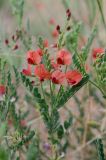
(100, 149)
(41, 43)
(17, 76)
(72, 45)
(3, 127)
(77, 61)
(66, 3)
(44, 109)
(34, 150)
(3, 154)
(48, 102)
(100, 68)
(72, 37)
(85, 50)
(3, 71)
(24, 140)
(71, 91)
(46, 61)
(17, 7)
(60, 132)
(68, 123)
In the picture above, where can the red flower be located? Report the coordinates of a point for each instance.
(52, 21)
(64, 57)
(40, 52)
(58, 77)
(73, 77)
(46, 43)
(41, 72)
(27, 71)
(33, 57)
(97, 51)
(2, 89)
(55, 33)
(54, 64)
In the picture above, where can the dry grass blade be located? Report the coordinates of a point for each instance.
(100, 4)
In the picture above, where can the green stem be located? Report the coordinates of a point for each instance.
(43, 92)
(81, 61)
(51, 93)
(93, 83)
(99, 2)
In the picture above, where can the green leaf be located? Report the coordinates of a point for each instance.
(86, 48)
(34, 150)
(71, 91)
(100, 149)
(3, 154)
(43, 107)
(46, 61)
(66, 3)
(24, 140)
(68, 123)
(77, 63)
(60, 132)
(3, 128)
(17, 9)
(17, 76)
(40, 43)
(72, 37)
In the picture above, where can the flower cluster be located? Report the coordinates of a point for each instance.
(59, 72)
(97, 52)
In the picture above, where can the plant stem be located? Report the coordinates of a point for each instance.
(93, 83)
(43, 92)
(51, 93)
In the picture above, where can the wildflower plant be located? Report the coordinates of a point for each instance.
(54, 80)
(54, 74)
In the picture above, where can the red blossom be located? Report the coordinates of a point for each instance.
(33, 57)
(54, 64)
(46, 43)
(52, 21)
(41, 72)
(2, 89)
(40, 52)
(73, 77)
(27, 71)
(55, 33)
(64, 57)
(58, 77)
(97, 51)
